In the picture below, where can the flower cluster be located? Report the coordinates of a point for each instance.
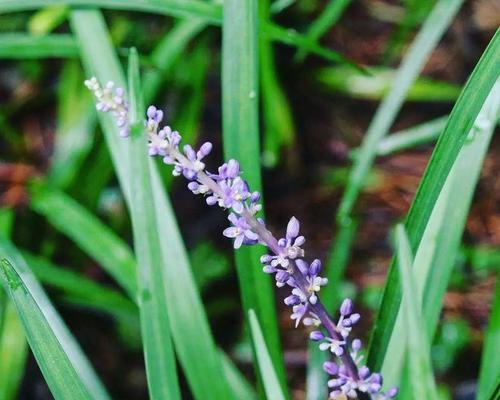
(111, 99)
(228, 190)
(342, 382)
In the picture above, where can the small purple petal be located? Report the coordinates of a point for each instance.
(292, 229)
(346, 307)
(331, 368)
(316, 335)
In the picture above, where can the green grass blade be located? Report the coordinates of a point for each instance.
(13, 345)
(75, 126)
(241, 141)
(377, 84)
(209, 12)
(175, 8)
(47, 19)
(13, 352)
(437, 253)
(63, 364)
(75, 287)
(279, 5)
(189, 325)
(279, 128)
(326, 20)
(88, 233)
(428, 37)
(447, 149)
(167, 51)
(241, 389)
(489, 375)
(292, 38)
(422, 381)
(269, 376)
(25, 46)
(161, 369)
(411, 137)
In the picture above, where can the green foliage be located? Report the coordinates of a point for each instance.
(419, 355)
(269, 376)
(447, 150)
(63, 364)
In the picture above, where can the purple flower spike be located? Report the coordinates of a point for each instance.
(349, 377)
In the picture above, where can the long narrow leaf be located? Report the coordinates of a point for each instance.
(489, 375)
(444, 156)
(241, 141)
(326, 20)
(414, 61)
(13, 345)
(269, 376)
(24, 46)
(63, 364)
(209, 12)
(436, 255)
(158, 350)
(89, 233)
(422, 381)
(279, 129)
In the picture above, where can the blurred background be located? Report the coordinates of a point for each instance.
(314, 115)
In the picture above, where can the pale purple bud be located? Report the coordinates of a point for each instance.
(302, 266)
(292, 229)
(356, 345)
(364, 372)
(315, 267)
(233, 169)
(282, 276)
(354, 318)
(331, 368)
(205, 149)
(255, 197)
(292, 300)
(316, 335)
(268, 269)
(265, 258)
(346, 307)
(392, 392)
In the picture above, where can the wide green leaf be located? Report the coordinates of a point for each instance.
(450, 142)
(61, 360)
